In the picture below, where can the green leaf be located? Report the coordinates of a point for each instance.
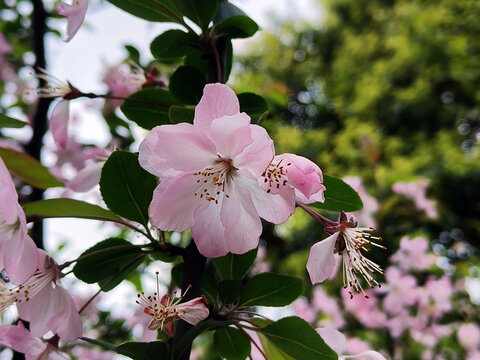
(179, 114)
(233, 266)
(198, 60)
(28, 169)
(200, 12)
(231, 343)
(229, 291)
(153, 108)
(339, 196)
(187, 84)
(68, 208)
(272, 352)
(191, 334)
(133, 53)
(149, 10)
(173, 45)
(298, 339)
(103, 264)
(126, 187)
(232, 22)
(269, 289)
(8, 122)
(253, 104)
(142, 351)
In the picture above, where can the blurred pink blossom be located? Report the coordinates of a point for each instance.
(365, 309)
(20, 339)
(89, 176)
(337, 341)
(400, 290)
(86, 353)
(75, 14)
(469, 336)
(416, 191)
(5, 47)
(331, 314)
(414, 254)
(370, 204)
(304, 310)
(122, 81)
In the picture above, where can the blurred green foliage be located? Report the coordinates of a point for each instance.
(387, 90)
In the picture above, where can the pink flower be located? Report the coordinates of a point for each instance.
(75, 15)
(123, 81)
(294, 177)
(413, 254)
(20, 339)
(416, 191)
(5, 47)
(337, 341)
(401, 290)
(328, 307)
(89, 176)
(370, 205)
(365, 309)
(304, 310)
(18, 253)
(469, 336)
(209, 175)
(348, 241)
(43, 302)
(166, 310)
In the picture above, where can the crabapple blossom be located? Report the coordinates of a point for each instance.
(18, 253)
(337, 341)
(122, 81)
(401, 290)
(43, 302)
(165, 310)
(370, 205)
(469, 336)
(413, 254)
(209, 175)
(89, 176)
(331, 312)
(416, 191)
(348, 240)
(75, 14)
(294, 177)
(20, 339)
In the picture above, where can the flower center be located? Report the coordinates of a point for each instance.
(213, 179)
(275, 176)
(349, 244)
(7, 296)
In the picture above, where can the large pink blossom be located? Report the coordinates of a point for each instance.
(75, 14)
(20, 339)
(209, 175)
(18, 253)
(43, 302)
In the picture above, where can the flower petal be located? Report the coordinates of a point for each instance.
(59, 124)
(20, 339)
(75, 15)
(171, 148)
(218, 100)
(367, 355)
(25, 262)
(241, 220)
(333, 338)
(86, 178)
(8, 196)
(257, 156)
(193, 311)
(305, 176)
(174, 202)
(231, 134)
(321, 261)
(208, 231)
(65, 321)
(273, 208)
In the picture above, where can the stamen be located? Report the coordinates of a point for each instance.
(214, 180)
